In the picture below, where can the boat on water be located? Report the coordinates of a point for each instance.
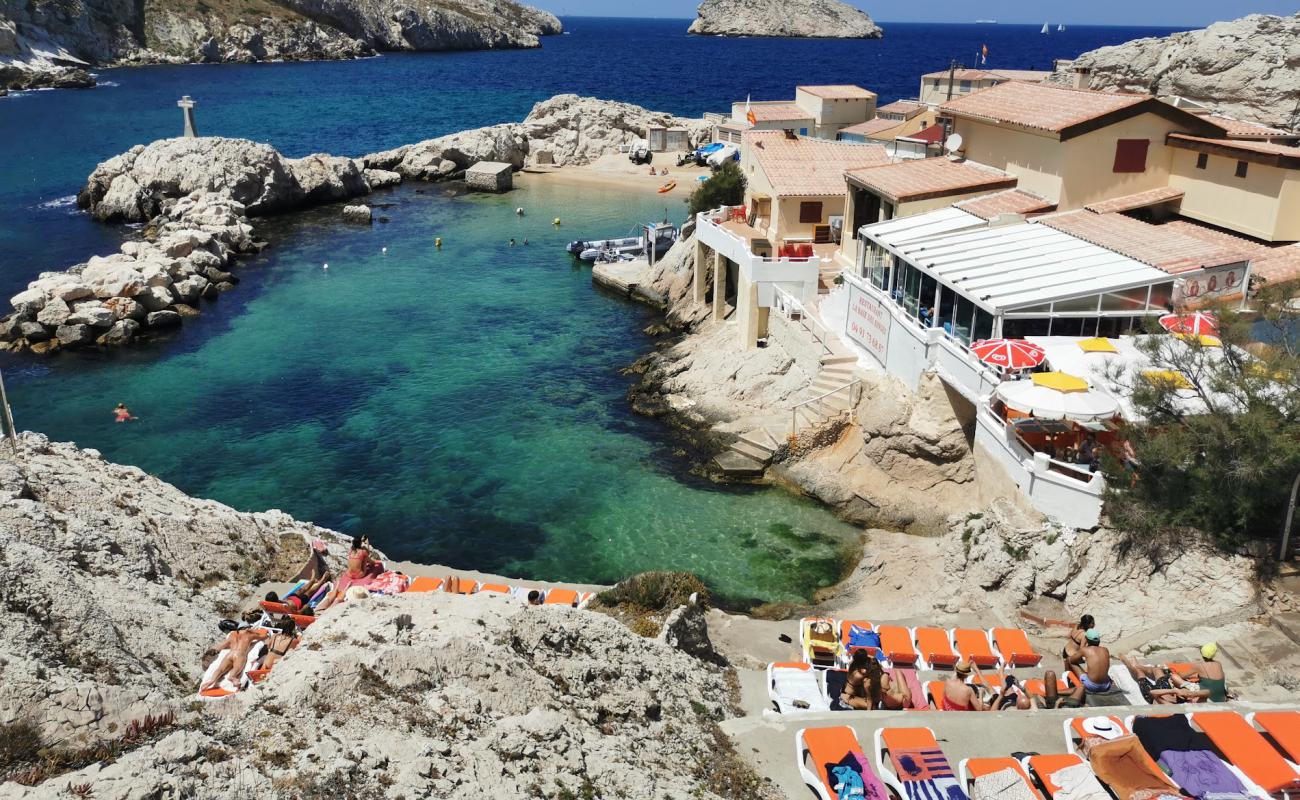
(1060, 28)
(667, 187)
(656, 237)
(986, 22)
(1044, 30)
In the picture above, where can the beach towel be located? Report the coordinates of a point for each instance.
(852, 778)
(1123, 680)
(1078, 783)
(389, 583)
(908, 676)
(926, 775)
(1124, 766)
(862, 637)
(1005, 784)
(789, 685)
(1159, 735)
(1201, 773)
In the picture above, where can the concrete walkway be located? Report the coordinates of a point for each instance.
(628, 279)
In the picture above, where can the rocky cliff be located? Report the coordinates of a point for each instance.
(43, 41)
(824, 19)
(1248, 68)
(113, 582)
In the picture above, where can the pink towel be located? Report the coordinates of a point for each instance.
(908, 676)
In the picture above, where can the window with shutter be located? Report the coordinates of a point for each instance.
(1202, 160)
(1131, 155)
(1241, 169)
(810, 212)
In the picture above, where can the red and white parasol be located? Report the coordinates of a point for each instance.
(1009, 353)
(1197, 323)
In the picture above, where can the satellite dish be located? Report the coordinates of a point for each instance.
(954, 143)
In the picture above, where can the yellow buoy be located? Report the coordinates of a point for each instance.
(556, 222)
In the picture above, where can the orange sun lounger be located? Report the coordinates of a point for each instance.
(425, 584)
(1247, 749)
(897, 644)
(561, 597)
(973, 646)
(1044, 767)
(928, 765)
(1074, 730)
(1015, 648)
(935, 648)
(817, 747)
(1283, 727)
(499, 588)
(1037, 688)
(972, 768)
(846, 627)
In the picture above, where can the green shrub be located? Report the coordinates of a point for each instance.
(656, 591)
(726, 187)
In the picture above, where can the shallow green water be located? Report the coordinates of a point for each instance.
(462, 406)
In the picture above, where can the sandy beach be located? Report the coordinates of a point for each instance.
(615, 171)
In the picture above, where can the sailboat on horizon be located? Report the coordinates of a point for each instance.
(1044, 30)
(1060, 28)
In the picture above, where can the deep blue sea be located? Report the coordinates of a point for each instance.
(462, 406)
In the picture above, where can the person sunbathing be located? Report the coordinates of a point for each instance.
(238, 643)
(1013, 694)
(959, 695)
(1052, 697)
(360, 571)
(1075, 641)
(299, 598)
(861, 691)
(280, 643)
(1213, 682)
(894, 694)
(1091, 664)
(1156, 683)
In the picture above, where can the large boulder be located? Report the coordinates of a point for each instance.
(425, 160)
(382, 178)
(324, 178)
(133, 186)
(579, 130)
(1248, 68)
(72, 335)
(155, 298)
(359, 214)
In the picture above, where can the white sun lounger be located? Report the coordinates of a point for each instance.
(791, 681)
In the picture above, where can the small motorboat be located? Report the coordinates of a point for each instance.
(667, 187)
(629, 247)
(703, 152)
(728, 152)
(589, 251)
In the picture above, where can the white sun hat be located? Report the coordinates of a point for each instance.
(1103, 727)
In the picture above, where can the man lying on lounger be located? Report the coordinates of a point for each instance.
(239, 640)
(299, 598)
(1091, 664)
(1052, 697)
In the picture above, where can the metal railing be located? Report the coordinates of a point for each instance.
(853, 388)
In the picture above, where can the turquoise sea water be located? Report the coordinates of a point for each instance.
(462, 406)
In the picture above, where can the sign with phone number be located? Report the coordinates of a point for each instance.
(868, 323)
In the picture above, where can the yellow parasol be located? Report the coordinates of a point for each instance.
(1060, 381)
(1098, 345)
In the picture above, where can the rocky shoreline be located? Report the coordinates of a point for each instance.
(53, 44)
(198, 199)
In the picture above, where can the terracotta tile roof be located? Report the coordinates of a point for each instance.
(1010, 201)
(926, 178)
(1150, 197)
(1161, 246)
(932, 134)
(1285, 155)
(1041, 106)
(806, 167)
(871, 126)
(1274, 263)
(907, 108)
(965, 74)
(776, 112)
(1245, 130)
(838, 92)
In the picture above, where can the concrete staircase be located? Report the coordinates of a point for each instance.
(749, 455)
(836, 371)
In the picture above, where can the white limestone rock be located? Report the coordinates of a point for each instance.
(1247, 68)
(579, 130)
(359, 214)
(825, 19)
(382, 178)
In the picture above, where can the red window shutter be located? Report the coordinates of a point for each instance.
(1131, 155)
(810, 212)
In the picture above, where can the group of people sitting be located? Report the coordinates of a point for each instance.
(868, 687)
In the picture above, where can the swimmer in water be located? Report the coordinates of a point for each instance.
(123, 414)
(512, 242)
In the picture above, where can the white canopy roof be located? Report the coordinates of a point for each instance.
(1044, 403)
(1008, 267)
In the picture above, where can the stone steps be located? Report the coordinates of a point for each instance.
(751, 450)
(737, 465)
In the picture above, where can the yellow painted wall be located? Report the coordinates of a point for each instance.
(786, 224)
(1076, 172)
(1265, 204)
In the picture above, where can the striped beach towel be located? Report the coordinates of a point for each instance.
(926, 775)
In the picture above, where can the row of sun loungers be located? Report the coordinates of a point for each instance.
(1212, 755)
(550, 597)
(799, 687)
(827, 642)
